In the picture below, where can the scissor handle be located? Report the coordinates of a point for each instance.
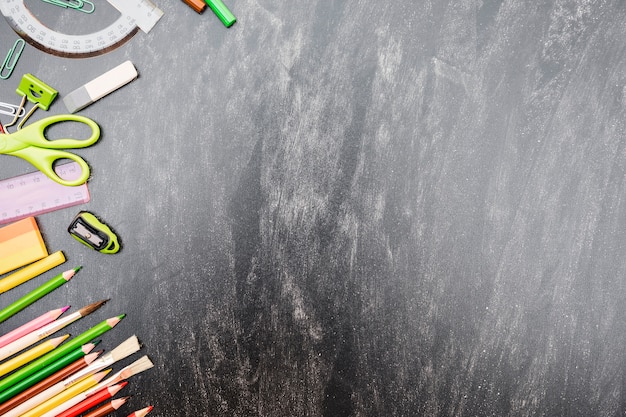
(34, 133)
(43, 159)
(43, 153)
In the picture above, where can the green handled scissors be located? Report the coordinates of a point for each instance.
(30, 143)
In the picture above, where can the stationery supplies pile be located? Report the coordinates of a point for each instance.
(44, 372)
(63, 376)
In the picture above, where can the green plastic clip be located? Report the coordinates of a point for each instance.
(36, 91)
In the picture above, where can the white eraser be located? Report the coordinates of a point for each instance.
(99, 87)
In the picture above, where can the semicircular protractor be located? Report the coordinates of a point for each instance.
(133, 15)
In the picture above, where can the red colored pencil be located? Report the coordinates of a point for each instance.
(107, 408)
(93, 400)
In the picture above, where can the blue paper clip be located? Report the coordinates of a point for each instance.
(11, 59)
(73, 4)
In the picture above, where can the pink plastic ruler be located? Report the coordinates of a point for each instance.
(34, 194)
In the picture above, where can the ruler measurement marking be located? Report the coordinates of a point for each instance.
(34, 194)
(46, 39)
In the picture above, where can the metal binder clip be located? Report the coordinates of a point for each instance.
(11, 59)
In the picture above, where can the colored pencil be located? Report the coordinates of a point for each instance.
(51, 328)
(142, 412)
(60, 398)
(36, 294)
(58, 376)
(107, 408)
(134, 368)
(126, 348)
(46, 394)
(31, 271)
(64, 349)
(23, 384)
(31, 326)
(31, 354)
(91, 401)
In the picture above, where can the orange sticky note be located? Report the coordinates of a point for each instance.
(20, 244)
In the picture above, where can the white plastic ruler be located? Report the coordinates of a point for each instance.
(135, 15)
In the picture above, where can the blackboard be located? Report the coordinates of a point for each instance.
(355, 208)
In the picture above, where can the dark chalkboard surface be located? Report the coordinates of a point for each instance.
(355, 208)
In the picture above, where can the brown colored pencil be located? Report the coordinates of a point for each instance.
(44, 384)
(107, 408)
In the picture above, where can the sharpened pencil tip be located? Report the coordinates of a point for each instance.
(78, 268)
(114, 320)
(88, 309)
(64, 309)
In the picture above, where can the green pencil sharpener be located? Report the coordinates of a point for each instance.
(90, 231)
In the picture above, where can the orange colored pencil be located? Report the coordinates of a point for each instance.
(107, 408)
(142, 412)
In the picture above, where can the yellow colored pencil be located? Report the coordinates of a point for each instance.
(80, 386)
(31, 271)
(31, 354)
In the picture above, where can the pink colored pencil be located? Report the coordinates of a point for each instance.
(142, 412)
(32, 325)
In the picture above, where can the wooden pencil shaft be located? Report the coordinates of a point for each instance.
(58, 376)
(36, 294)
(47, 330)
(27, 382)
(63, 396)
(39, 334)
(66, 348)
(46, 395)
(30, 355)
(91, 401)
(31, 326)
(105, 410)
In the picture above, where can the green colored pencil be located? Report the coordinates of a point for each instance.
(57, 353)
(46, 371)
(36, 294)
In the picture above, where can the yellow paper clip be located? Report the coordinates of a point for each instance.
(11, 59)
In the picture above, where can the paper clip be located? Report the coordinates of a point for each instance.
(12, 109)
(73, 4)
(11, 59)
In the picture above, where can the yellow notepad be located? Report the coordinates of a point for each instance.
(20, 244)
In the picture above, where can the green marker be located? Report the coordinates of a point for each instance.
(46, 371)
(222, 12)
(36, 294)
(59, 352)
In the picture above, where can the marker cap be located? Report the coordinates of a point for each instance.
(222, 12)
